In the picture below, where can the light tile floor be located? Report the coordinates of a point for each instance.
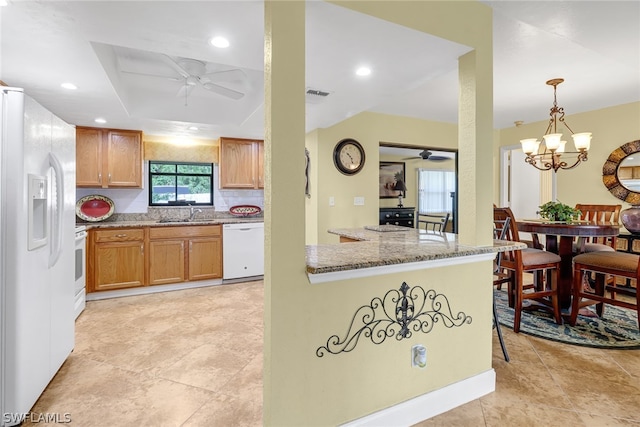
(194, 358)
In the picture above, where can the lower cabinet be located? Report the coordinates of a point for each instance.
(184, 253)
(205, 258)
(116, 259)
(123, 258)
(166, 262)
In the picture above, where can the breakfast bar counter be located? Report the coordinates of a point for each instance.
(386, 248)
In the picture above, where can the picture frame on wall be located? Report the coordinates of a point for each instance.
(392, 180)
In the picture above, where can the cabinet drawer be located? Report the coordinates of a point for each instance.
(119, 235)
(184, 231)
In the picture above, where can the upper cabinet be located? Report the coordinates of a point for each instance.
(108, 158)
(241, 163)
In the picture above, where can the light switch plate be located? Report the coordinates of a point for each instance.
(332, 201)
(358, 201)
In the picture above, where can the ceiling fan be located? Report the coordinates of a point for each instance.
(427, 155)
(194, 73)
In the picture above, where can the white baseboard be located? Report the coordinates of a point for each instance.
(431, 404)
(94, 296)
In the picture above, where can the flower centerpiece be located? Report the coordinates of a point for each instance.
(557, 211)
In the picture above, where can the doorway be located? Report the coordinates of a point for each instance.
(523, 188)
(420, 158)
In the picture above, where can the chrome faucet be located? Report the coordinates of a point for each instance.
(193, 212)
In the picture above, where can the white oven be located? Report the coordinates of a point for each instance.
(81, 268)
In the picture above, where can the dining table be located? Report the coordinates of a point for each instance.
(560, 237)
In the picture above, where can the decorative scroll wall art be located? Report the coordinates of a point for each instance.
(399, 313)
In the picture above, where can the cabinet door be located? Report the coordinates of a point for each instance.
(118, 265)
(88, 157)
(124, 159)
(260, 161)
(205, 258)
(166, 262)
(237, 163)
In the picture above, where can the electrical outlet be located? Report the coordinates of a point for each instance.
(332, 201)
(358, 201)
(418, 356)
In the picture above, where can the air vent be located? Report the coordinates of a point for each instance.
(317, 92)
(316, 96)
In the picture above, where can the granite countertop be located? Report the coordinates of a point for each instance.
(156, 223)
(400, 246)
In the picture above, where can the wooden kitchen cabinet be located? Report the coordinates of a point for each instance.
(205, 258)
(116, 259)
(185, 253)
(166, 262)
(108, 158)
(241, 163)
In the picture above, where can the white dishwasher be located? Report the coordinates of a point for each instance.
(243, 250)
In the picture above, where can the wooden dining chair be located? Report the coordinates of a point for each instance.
(530, 260)
(606, 214)
(617, 264)
(433, 222)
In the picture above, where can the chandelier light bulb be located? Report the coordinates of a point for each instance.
(552, 141)
(530, 145)
(561, 147)
(582, 140)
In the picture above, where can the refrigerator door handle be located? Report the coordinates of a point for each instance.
(56, 241)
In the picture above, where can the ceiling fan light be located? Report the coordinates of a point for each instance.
(552, 141)
(582, 140)
(530, 145)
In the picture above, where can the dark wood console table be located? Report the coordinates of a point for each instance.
(404, 217)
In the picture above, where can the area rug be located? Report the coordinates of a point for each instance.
(617, 329)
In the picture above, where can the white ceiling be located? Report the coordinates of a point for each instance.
(593, 45)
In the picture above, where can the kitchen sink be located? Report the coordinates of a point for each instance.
(166, 220)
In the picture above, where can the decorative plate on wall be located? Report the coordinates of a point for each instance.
(94, 208)
(245, 210)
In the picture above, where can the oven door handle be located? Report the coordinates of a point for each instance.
(81, 235)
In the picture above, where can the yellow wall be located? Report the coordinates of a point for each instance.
(299, 387)
(611, 127)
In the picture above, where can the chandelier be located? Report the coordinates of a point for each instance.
(551, 156)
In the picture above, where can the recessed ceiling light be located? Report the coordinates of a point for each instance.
(100, 120)
(219, 42)
(69, 86)
(4, 3)
(363, 71)
(193, 128)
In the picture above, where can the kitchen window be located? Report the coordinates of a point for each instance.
(180, 183)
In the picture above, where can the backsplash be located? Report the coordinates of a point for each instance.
(136, 201)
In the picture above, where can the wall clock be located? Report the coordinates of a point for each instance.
(348, 156)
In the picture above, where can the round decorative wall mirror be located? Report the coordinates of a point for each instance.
(621, 172)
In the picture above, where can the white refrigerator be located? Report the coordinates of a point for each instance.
(37, 222)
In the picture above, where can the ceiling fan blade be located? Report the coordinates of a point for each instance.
(151, 75)
(438, 158)
(221, 90)
(412, 158)
(175, 66)
(228, 76)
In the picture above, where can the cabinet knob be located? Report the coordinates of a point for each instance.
(397, 215)
(121, 235)
(397, 223)
(387, 216)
